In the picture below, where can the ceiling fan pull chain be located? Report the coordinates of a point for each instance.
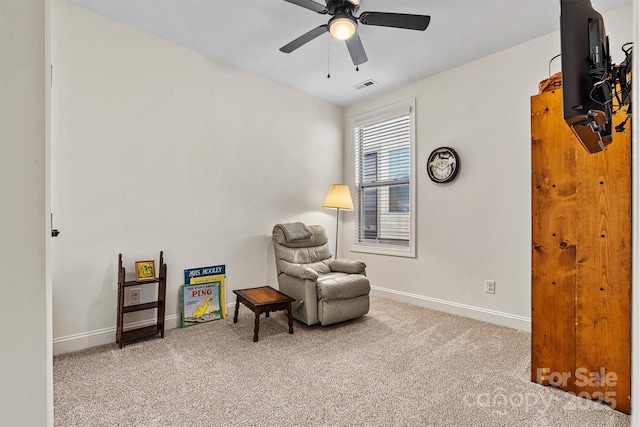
(328, 58)
(362, 49)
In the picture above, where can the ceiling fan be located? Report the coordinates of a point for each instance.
(343, 25)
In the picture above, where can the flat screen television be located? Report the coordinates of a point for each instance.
(586, 74)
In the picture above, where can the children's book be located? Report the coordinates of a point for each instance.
(201, 303)
(206, 275)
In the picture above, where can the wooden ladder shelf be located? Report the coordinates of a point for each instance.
(121, 335)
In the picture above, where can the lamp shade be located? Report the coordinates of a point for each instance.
(338, 197)
(342, 27)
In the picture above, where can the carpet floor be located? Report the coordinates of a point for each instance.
(400, 365)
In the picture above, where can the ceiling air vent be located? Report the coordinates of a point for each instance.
(364, 84)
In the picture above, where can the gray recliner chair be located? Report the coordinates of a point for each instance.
(326, 290)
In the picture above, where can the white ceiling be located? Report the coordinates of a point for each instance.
(248, 34)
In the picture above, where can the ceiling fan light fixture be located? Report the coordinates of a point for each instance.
(342, 27)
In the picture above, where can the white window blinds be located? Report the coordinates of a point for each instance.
(384, 147)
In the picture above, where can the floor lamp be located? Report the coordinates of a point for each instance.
(338, 197)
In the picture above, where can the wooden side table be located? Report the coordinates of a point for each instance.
(263, 300)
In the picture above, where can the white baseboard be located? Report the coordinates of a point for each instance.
(97, 337)
(84, 340)
(486, 315)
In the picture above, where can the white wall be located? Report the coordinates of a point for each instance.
(479, 226)
(155, 147)
(26, 385)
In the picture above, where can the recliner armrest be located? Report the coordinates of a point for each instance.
(347, 266)
(304, 273)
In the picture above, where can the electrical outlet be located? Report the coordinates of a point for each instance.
(134, 295)
(490, 286)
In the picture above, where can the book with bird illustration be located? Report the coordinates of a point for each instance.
(201, 302)
(214, 273)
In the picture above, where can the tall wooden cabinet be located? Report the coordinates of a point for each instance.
(581, 259)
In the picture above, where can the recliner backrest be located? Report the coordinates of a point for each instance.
(312, 252)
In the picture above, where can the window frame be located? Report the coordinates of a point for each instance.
(380, 115)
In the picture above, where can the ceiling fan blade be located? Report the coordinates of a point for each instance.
(356, 50)
(311, 5)
(396, 20)
(305, 38)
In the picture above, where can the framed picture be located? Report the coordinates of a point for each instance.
(145, 271)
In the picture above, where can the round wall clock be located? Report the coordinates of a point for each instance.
(443, 164)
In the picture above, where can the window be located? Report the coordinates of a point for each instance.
(384, 147)
(399, 169)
